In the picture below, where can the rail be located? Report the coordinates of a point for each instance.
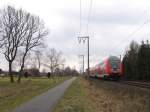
(141, 84)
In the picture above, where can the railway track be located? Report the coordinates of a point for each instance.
(138, 84)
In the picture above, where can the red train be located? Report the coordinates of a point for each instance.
(110, 68)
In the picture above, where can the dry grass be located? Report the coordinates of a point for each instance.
(12, 95)
(112, 97)
(103, 96)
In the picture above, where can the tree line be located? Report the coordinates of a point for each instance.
(136, 62)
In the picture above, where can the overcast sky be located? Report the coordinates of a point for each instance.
(111, 23)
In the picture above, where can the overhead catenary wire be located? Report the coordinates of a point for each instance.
(85, 38)
(131, 35)
(139, 28)
(89, 15)
(80, 18)
(145, 11)
(142, 25)
(128, 36)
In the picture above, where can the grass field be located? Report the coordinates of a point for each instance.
(12, 95)
(103, 96)
(73, 100)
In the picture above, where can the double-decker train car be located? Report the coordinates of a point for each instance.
(110, 68)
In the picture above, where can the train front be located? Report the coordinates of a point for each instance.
(115, 67)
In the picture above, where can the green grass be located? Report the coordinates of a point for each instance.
(103, 96)
(73, 99)
(12, 95)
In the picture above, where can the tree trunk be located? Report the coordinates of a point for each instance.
(39, 63)
(20, 74)
(21, 69)
(10, 72)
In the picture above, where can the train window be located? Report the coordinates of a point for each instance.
(102, 65)
(115, 64)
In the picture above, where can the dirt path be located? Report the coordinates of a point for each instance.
(45, 101)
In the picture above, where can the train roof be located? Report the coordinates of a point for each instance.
(108, 58)
(113, 58)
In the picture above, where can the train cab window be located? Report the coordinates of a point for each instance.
(115, 64)
(102, 65)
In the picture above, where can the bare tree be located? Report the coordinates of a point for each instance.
(1, 35)
(53, 60)
(20, 30)
(18, 59)
(32, 61)
(13, 28)
(34, 38)
(1, 45)
(38, 56)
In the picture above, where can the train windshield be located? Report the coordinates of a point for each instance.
(115, 64)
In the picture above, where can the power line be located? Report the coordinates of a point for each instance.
(136, 30)
(140, 27)
(84, 38)
(88, 17)
(80, 18)
(146, 10)
(89, 14)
